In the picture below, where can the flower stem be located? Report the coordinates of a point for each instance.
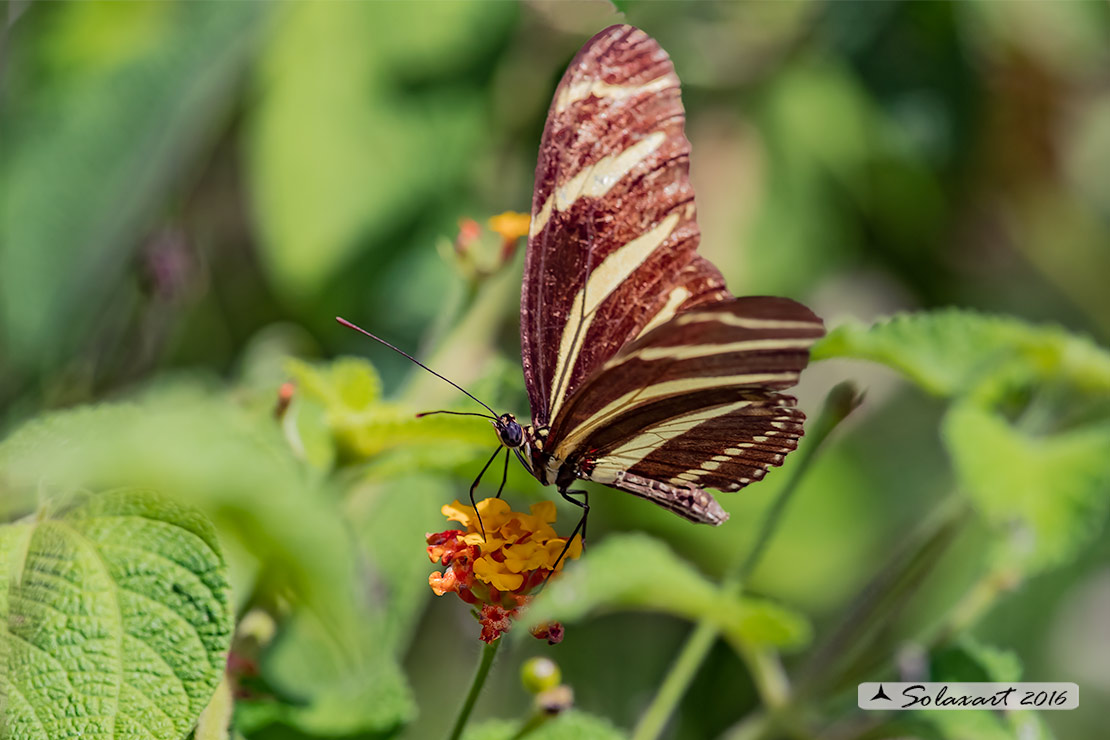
(475, 688)
(838, 404)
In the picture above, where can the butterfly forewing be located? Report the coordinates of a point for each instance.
(613, 235)
(643, 372)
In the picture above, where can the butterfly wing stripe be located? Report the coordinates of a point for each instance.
(690, 351)
(699, 283)
(602, 282)
(720, 352)
(599, 89)
(648, 440)
(676, 298)
(595, 180)
(747, 433)
(744, 322)
(727, 450)
(674, 388)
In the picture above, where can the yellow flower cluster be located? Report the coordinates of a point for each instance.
(514, 543)
(496, 570)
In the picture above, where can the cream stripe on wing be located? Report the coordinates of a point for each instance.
(746, 322)
(585, 88)
(690, 351)
(604, 279)
(677, 297)
(643, 444)
(595, 180)
(655, 392)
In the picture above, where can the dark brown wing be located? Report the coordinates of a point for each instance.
(613, 236)
(692, 404)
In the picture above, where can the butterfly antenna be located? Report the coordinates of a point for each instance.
(403, 353)
(453, 413)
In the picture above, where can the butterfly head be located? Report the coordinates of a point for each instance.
(509, 431)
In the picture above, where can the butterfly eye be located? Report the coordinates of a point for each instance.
(510, 433)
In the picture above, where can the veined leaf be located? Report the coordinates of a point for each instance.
(278, 519)
(117, 620)
(1050, 493)
(638, 573)
(194, 445)
(947, 352)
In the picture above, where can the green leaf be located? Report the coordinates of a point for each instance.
(392, 519)
(572, 725)
(92, 152)
(762, 622)
(981, 725)
(362, 121)
(969, 660)
(285, 531)
(636, 572)
(364, 427)
(118, 620)
(332, 687)
(1048, 493)
(346, 384)
(194, 445)
(214, 722)
(948, 352)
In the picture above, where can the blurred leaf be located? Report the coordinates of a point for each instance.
(1049, 493)
(572, 725)
(947, 352)
(762, 622)
(195, 445)
(969, 660)
(364, 427)
(95, 149)
(348, 383)
(330, 687)
(1070, 37)
(117, 619)
(362, 121)
(635, 572)
(982, 725)
(392, 519)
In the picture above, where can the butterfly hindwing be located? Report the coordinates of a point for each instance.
(693, 403)
(613, 234)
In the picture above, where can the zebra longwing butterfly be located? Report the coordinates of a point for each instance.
(643, 372)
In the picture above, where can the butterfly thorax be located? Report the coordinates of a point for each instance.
(541, 463)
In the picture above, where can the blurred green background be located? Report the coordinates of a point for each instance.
(191, 192)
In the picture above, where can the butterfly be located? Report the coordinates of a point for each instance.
(643, 372)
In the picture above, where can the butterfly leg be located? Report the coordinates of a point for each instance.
(474, 486)
(584, 504)
(504, 473)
